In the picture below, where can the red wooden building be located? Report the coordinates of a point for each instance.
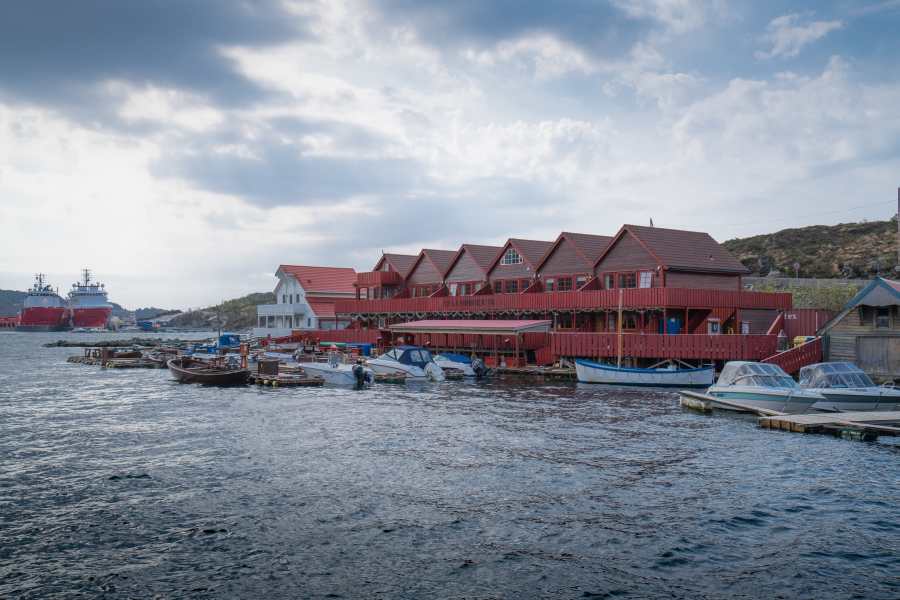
(679, 294)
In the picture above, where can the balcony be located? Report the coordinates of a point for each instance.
(378, 279)
(280, 310)
(545, 302)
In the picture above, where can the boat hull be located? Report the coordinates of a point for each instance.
(849, 400)
(41, 318)
(780, 402)
(592, 372)
(190, 371)
(339, 375)
(91, 317)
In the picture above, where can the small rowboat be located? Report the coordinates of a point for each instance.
(188, 370)
(672, 375)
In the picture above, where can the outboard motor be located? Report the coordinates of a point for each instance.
(361, 376)
(434, 372)
(479, 367)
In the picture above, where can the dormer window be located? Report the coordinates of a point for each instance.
(511, 257)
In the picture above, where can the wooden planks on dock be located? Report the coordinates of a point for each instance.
(868, 423)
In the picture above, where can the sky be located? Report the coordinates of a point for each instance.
(183, 150)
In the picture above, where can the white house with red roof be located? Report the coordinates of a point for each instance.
(304, 299)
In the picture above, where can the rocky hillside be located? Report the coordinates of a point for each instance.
(10, 302)
(847, 250)
(235, 315)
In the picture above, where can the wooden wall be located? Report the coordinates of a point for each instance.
(707, 281)
(424, 273)
(465, 269)
(875, 350)
(519, 271)
(627, 255)
(565, 260)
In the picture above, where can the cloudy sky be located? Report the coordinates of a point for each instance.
(183, 149)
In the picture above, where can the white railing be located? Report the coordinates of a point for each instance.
(275, 310)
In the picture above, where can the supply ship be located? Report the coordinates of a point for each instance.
(43, 309)
(88, 303)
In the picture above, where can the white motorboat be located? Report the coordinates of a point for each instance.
(469, 367)
(337, 373)
(846, 387)
(670, 375)
(761, 385)
(413, 362)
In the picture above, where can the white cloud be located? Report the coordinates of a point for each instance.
(788, 36)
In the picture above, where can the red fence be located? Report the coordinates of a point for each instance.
(805, 321)
(794, 359)
(710, 347)
(568, 301)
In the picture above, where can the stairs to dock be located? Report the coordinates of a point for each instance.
(796, 358)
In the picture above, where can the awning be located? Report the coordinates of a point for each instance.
(483, 326)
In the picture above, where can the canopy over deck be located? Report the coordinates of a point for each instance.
(480, 326)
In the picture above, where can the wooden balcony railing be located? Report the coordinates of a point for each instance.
(684, 346)
(378, 278)
(674, 298)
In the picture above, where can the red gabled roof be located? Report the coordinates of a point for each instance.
(682, 250)
(588, 245)
(402, 263)
(531, 251)
(441, 259)
(322, 307)
(338, 280)
(482, 255)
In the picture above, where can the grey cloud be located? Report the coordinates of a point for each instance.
(601, 28)
(53, 52)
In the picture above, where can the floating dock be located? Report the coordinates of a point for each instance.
(861, 425)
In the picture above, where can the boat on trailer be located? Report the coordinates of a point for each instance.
(846, 387)
(190, 370)
(665, 374)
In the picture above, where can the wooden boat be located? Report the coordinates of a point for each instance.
(189, 370)
(656, 376)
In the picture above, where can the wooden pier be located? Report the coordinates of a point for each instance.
(861, 425)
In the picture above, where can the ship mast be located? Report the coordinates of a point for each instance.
(86, 273)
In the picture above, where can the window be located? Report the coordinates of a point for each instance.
(627, 280)
(564, 284)
(453, 288)
(498, 287)
(564, 320)
(309, 322)
(865, 315)
(611, 321)
(511, 257)
(629, 321)
(550, 284)
(713, 327)
(609, 281)
(745, 327)
(512, 286)
(580, 281)
(284, 298)
(646, 279)
(883, 317)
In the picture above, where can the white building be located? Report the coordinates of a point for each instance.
(304, 299)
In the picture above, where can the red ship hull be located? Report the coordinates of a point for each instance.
(44, 319)
(91, 317)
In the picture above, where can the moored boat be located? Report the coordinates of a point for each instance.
(43, 309)
(413, 362)
(761, 385)
(339, 373)
(189, 370)
(469, 367)
(657, 376)
(88, 303)
(846, 387)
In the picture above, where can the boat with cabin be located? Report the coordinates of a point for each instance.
(761, 385)
(337, 373)
(413, 362)
(846, 387)
(452, 362)
(665, 374)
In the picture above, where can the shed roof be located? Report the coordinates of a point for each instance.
(338, 280)
(322, 307)
(681, 250)
(486, 326)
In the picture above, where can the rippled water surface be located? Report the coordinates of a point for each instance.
(121, 483)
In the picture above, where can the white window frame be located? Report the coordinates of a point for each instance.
(511, 257)
(645, 277)
(714, 324)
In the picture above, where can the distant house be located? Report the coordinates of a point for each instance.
(867, 330)
(387, 279)
(569, 263)
(427, 274)
(514, 268)
(304, 299)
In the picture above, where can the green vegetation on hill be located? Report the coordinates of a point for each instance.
(847, 250)
(11, 302)
(236, 314)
